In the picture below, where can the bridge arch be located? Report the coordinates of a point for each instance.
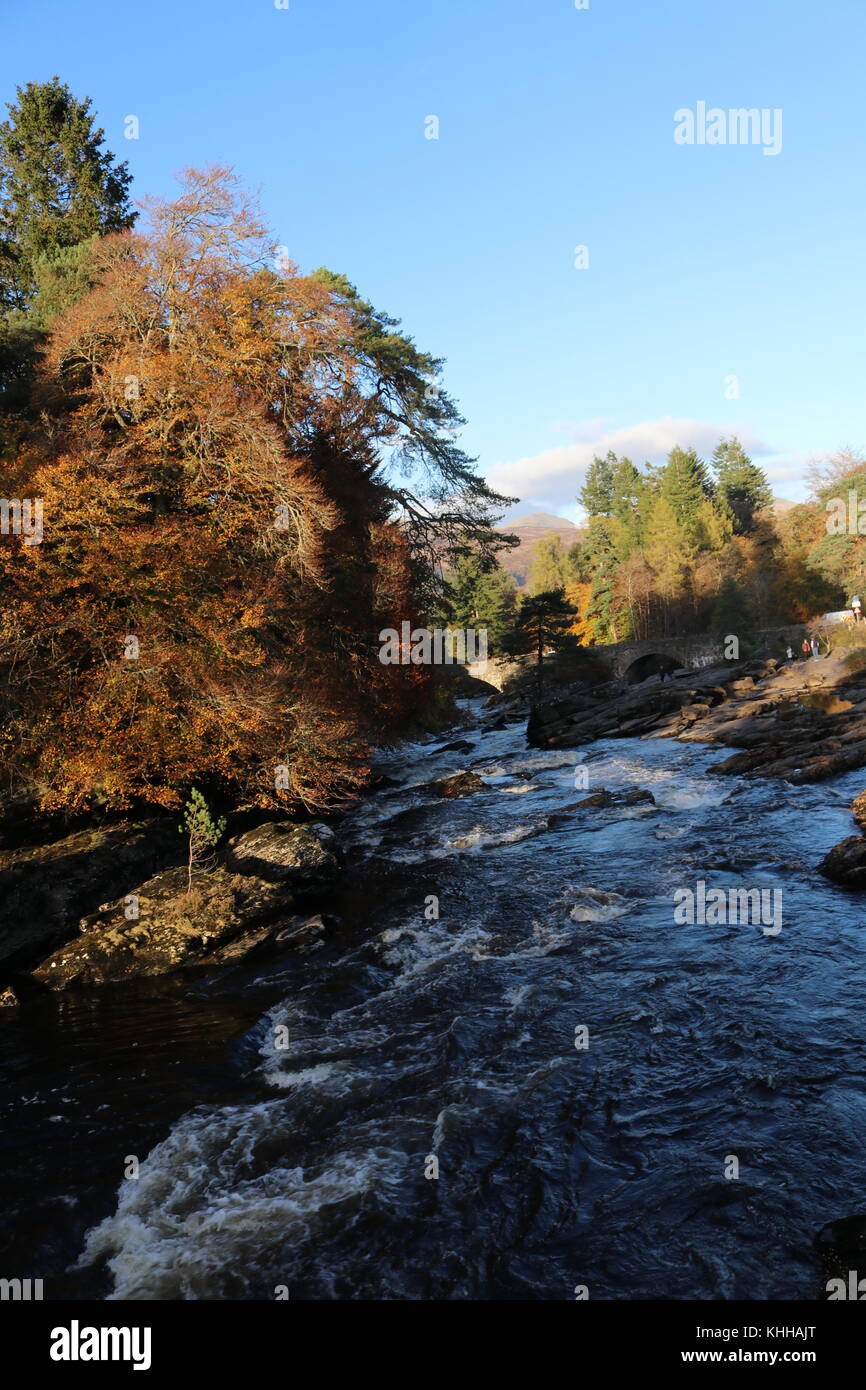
(651, 664)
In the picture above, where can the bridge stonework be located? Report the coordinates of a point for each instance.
(690, 653)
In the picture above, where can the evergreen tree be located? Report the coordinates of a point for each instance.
(601, 564)
(628, 492)
(482, 598)
(596, 495)
(731, 611)
(685, 485)
(58, 185)
(742, 486)
(543, 621)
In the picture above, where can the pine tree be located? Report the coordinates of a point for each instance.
(543, 621)
(685, 485)
(731, 611)
(58, 185)
(484, 598)
(596, 495)
(742, 486)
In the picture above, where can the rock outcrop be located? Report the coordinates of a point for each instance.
(280, 852)
(222, 917)
(165, 923)
(46, 889)
(804, 722)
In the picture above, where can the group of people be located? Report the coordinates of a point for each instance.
(809, 648)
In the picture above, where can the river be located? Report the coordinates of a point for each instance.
(289, 1117)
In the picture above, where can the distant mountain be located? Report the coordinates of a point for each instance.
(781, 505)
(532, 529)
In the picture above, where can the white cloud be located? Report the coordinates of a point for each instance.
(551, 480)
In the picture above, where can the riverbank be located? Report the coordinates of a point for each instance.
(104, 906)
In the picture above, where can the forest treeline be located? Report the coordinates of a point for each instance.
(245, 473)
(684, 547)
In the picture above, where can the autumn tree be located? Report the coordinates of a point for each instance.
(550, 566)
(223, 541)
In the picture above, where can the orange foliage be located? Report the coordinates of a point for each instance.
(206, 491)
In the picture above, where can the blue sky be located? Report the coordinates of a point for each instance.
(556, 130)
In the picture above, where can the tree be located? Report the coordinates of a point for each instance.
(202, 831)
(543, 620)
(550, 566)
(221, 545)
(628, 494)
(444, 507)
(600, 561)
(58, 185)
(732, 613)
(596, 495)
(742, 486)
(670, 553)
(685, 485)
(482, 598)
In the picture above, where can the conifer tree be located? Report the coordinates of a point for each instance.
(685, 485)
(59, 186)
(596, 495)
(742, 486)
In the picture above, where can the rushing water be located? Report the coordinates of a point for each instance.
(412, 1038)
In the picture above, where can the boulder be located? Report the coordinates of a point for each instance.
(460, 784)
(858, 809)
(280, 852)
(45, 889)
(221, 918)
(846, 862)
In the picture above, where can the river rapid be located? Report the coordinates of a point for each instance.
(289, 1117)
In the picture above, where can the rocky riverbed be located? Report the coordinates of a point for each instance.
(804, 721)
(105, 905)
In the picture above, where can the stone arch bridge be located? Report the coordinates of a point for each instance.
(636, 661)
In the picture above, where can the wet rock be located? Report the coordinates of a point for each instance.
(280, 852)
(846, 862)
(460, 784)
(222, 918)
(602, 799)
(858, 809)
(460, 745)
(599, 798)
(8, 999)
(45, 889)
